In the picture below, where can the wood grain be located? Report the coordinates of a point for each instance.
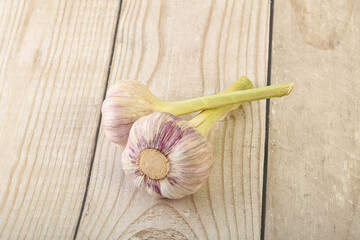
(183, 49)
(54, 58)
(314, 149)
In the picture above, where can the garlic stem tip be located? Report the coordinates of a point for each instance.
(291, 86)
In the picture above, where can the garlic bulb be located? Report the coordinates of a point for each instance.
(167, 155)
(127, 101)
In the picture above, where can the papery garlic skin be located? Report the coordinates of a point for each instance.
(189, 153)
(126, 101)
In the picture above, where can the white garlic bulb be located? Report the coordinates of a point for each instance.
(167, 155)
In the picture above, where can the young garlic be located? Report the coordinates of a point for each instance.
(129, 100)
(171, 157)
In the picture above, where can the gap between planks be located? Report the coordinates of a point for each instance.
(267, 121)
(99, 122)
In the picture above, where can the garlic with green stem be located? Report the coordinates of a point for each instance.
(127, 101)
(169, 156)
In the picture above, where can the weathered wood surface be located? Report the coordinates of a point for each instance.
(183, 49)
(314, 146)
(54, 58)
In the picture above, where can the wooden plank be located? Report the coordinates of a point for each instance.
(314, 148)
(183, 49)
(54, 58)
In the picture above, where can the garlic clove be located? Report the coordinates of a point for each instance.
(180, 160)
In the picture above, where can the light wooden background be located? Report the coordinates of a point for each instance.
(61, 179)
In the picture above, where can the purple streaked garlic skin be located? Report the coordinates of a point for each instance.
(188, 152)
(121, 109)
